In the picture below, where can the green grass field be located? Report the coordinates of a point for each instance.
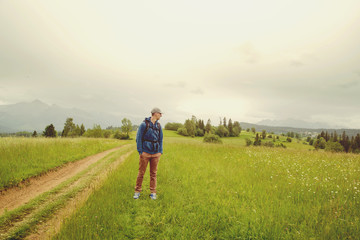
(21, 158)
(227, 191)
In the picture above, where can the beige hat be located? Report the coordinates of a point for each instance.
(156, 110)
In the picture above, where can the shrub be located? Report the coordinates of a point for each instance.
(334, 147)
(268, 144)
(257, 141)
(280, 145)
(173, 126)
(289, 139)
(122, 136)
(248, 142)
(320, 143)
(221, 131)
(199, 132)
(107, 133)
(236, 131)
(212, 138)
(95, 132)
(182, 131)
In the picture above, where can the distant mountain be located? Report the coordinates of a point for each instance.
(293, 123)
(36, 115)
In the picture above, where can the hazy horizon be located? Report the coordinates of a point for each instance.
(248, 61)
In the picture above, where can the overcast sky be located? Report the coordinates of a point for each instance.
(245, 60)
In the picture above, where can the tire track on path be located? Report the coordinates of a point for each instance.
(17, 196)
(77, 186)
(51, 227)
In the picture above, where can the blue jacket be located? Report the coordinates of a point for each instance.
(152, 141)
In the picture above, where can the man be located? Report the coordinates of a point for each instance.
(149, 140)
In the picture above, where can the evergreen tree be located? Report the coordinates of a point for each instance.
(224, 122)
(322, 134)
(253, 130)
(263, 134)
(82, 129)
(356, 144)
(230, 128)
(257, 141)
(50, 131)
(208, 126)
(327, 137)
(335, 136)
(34, 134)
(202, 125)
(194, 120)
(347, 144)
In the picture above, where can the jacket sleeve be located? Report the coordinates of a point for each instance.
(161, 141)
(139, 137)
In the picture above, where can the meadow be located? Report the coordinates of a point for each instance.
(227, 191)
(22, 158)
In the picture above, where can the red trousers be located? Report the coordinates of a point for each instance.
(145, 158)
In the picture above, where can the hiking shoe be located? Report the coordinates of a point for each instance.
(136, 195)
(153, 196)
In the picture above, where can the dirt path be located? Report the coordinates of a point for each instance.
(49, 228)
(17, 196)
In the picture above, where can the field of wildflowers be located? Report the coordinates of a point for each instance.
(227, 191)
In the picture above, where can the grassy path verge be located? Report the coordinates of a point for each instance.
(18, 223)
(17, 196)
(22, 158)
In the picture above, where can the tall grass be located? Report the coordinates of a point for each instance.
(208, 191)
(21, 158)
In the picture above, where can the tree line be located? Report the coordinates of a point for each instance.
(336, 143)
(197, 127)
(75, 130)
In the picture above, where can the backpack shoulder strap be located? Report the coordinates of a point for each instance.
(146, 129)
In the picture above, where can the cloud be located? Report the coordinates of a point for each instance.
(198, 91)
(249, 53)
(350, 84)
(96, 60)
(296, 63)
(180, 84)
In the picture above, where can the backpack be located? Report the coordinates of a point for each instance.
(145, 131)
